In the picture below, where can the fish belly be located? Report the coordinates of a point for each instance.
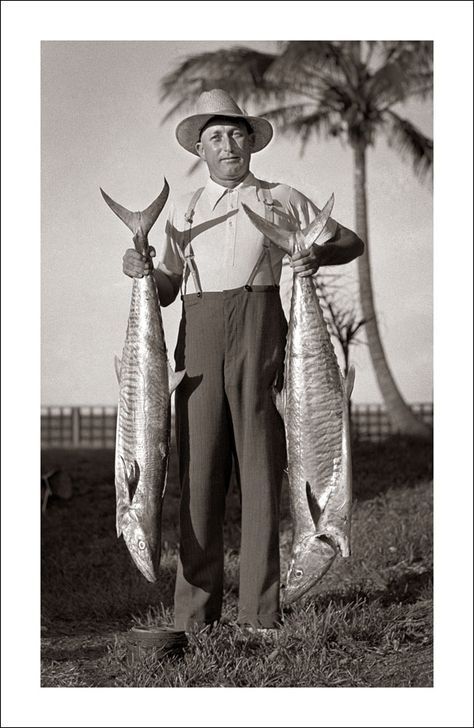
(314, 415)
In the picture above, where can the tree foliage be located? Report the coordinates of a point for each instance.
(353, 90)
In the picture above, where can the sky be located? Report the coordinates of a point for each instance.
(84, 297)
(102, 126)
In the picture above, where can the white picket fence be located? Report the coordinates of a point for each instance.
(94, 426)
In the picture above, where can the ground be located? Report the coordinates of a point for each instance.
(367, 624)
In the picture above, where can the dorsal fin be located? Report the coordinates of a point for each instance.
(279, 400)
(117, 367)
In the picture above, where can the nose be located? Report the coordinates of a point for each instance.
(227, 144)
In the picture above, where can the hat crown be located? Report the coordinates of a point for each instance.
(218, 102)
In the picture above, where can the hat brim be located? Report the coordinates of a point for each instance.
(188, 131)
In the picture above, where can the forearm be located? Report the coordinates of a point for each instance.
(343, 247)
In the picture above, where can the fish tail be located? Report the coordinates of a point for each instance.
(140, 223)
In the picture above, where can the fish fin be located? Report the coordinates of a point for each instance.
(131, 219)
(139, 222)
(313, 504)
(174, 378)
(117, 367)
(349, 382)
(315, 228)
(132, 478)
(150, 215)
(280, 237)
(279, 400)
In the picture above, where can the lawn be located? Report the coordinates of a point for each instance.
(367, 624)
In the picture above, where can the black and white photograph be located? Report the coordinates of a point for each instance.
(236, 391)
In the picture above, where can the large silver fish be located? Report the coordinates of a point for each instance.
(146, 381)
(314, 406)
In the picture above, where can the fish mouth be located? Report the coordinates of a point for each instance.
(147, 562)
(292, 593)
(147, 570)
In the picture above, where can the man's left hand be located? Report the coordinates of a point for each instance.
(307, 262)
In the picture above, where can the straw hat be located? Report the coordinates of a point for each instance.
(218, 102)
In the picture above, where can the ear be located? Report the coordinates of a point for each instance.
(200, 150)
(252, 140)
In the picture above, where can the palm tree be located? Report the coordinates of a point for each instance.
(346, 89)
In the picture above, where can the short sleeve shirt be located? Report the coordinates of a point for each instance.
(225, 243)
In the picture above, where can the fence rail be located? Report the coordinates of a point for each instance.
(94, 426)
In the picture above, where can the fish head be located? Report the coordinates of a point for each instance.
(143, 551)
(312, 557)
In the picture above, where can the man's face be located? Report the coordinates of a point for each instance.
(226, 146)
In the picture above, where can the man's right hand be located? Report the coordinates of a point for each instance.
(136, 265)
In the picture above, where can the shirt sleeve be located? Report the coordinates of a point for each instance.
(169, 259)
(304, 211)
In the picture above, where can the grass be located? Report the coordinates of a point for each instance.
(367, 624)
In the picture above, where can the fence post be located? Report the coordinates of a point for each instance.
(76, 427)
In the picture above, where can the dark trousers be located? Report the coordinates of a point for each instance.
(231, 344)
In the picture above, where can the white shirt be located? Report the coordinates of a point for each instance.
(225, 243)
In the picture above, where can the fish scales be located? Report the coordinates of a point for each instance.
(313, 385)
(143, 418)
(314, 406)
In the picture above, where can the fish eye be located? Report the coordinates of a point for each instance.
(298, 573)
(141, 545)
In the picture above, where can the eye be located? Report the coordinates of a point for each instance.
(141, 545)
(298, 573)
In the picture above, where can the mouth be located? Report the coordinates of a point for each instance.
(292, 593)
(230, 159)
(147, 570)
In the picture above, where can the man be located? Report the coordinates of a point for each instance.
(231, 342)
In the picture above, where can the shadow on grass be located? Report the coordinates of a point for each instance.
(405, 589)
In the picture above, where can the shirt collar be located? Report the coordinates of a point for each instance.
(215, 191)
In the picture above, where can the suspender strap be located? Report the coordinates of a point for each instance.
(188, 254)
(265, 195)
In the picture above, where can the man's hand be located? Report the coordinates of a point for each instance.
(136, 265)
(307, 262)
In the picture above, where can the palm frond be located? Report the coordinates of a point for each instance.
(238, 70)
(322, 60)
(393, 83)
(414, 55)
(305, 121)
(410, 141)
(195, 166)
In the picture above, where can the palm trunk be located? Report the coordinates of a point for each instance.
(399, 413)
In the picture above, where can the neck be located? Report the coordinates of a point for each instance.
(229, 183)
